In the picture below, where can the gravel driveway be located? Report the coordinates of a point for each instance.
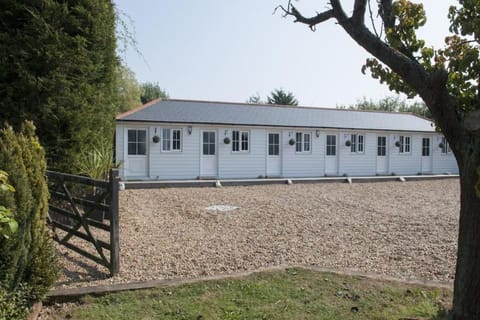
(405, 230)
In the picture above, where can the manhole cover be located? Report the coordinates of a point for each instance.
(222, 207)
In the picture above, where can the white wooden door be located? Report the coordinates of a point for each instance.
(274, 160)
(426, 155)
(382, 155)
(208, 161)
(331, 155)
(136, 164)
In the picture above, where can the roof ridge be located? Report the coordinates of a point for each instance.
(141, 107)
(246, 104)
(262, 105)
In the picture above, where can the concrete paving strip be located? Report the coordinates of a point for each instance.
(148, 184)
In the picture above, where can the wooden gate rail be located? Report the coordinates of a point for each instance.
(78, 211)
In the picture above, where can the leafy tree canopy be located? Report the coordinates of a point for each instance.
(391, 104)
(255, 99)
(280, 96)
(129, 90)
(152, 91)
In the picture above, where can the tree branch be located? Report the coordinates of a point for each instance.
(385, 11)
(311, 22)
(430, 86)
(359, 8)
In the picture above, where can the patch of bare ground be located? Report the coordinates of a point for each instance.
(405, 230)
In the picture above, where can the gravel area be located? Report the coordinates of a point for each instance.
(405, 230)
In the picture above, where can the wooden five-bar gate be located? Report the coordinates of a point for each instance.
(86, 210)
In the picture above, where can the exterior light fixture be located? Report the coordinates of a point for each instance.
(189, 130)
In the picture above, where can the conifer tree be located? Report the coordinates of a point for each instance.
(57, 68)
(27, 260)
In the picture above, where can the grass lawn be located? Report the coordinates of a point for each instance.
(286, 294)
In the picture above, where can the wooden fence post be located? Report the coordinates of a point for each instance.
(114, 223)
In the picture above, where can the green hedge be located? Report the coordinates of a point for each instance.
(27, 263)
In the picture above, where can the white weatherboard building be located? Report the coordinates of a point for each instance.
(180, 139)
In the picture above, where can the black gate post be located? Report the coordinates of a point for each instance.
(114, 223)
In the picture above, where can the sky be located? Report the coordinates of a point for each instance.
(230, 50)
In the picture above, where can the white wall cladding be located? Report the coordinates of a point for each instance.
(243, 164)
(358, 163)
(407, 162)
(443, 163)
(302, 164)
(182, 164)
(185, 164)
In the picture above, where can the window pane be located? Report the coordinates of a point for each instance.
(331, 145)
(142, 136)
(360, 143)
(244, 141)
(132, 148)
(142, 148)
(176, 145)
(306, 142)
(166, 139)
(426, 147)
(353, 147)
(235, 141)
(381, 146)
(273, 144)
(132, 135)
(137, 142)
(298, 146)
(208, 143)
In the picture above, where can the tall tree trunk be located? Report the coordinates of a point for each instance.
(466, 303)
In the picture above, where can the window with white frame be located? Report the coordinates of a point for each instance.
(303, 142)
(381, 146)
(240, 141)
(273, 144)
(445, 146)
(358, 143)
(331, 145)
(137, 142)
(171, 140)
(404, 144)
(425, 147)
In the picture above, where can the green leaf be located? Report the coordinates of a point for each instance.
(13, 225)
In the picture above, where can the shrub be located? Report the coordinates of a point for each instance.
(14, 304)
(97, 162)
(8, 225)
(27, 262)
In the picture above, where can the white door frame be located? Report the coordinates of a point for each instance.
(430, 156)
(213, 158)
(144, 157)
(270, 158)
(384, 158)
(333, 159)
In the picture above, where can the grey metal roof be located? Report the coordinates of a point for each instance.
(225, 113)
